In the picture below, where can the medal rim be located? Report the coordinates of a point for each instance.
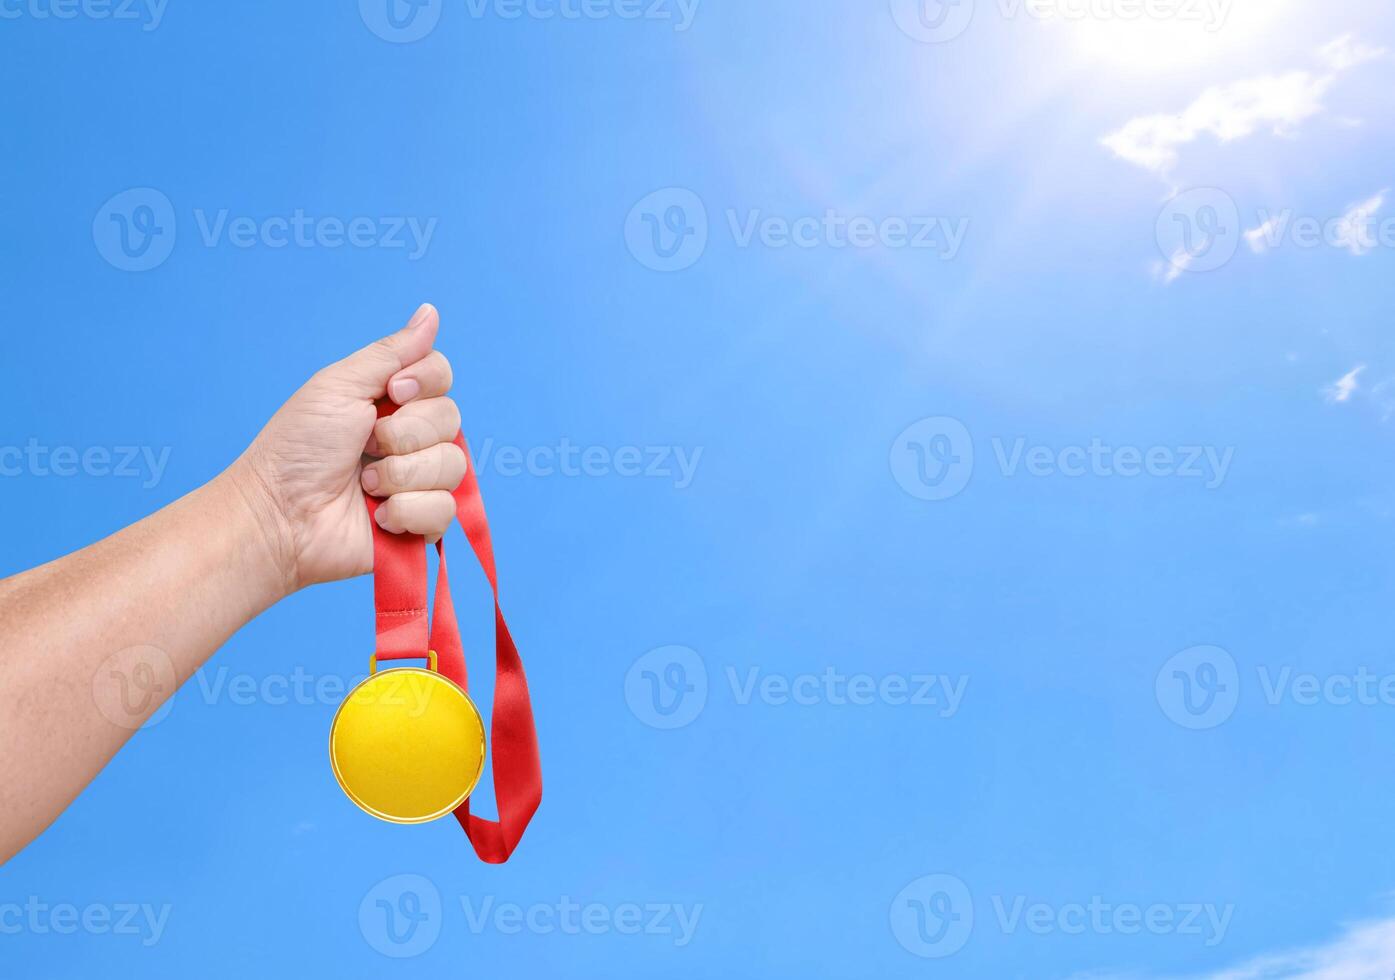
(388, 818)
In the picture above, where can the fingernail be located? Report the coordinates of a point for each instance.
(371, 480)
(404, 390)
(381, 518)
(420, 316)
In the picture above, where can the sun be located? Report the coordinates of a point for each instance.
(1162, 35)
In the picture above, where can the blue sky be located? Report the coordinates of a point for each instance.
(939, 467)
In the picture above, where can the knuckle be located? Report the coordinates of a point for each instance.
(406, 434)
(386, 348)
(382, 431)
(399, 470)
(416, 470)
(450, 415)
(401, 510)
(457, 461)
(444, 509)
(444, 371)
(384, 480)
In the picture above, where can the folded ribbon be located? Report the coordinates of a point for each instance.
(399, 587)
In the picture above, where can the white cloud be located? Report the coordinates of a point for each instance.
(1235, 111)
(1307, 519)
(1354, 230)
(1262, 239)
(1347, 52)
(1364, 952)
(1344, 387)
(1383, 397)
(1170, 271)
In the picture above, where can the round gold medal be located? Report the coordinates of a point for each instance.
(407, 744)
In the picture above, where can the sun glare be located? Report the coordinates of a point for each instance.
(1161, 35)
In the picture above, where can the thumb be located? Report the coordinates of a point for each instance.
(367, 372)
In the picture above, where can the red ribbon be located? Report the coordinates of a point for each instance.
(399, 589)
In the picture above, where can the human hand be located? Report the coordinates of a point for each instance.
(306, 473)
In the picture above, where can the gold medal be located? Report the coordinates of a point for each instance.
(407, 744)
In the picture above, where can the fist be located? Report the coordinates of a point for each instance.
(309, 468)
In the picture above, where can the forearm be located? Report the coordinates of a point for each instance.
(91, 645)
(166, 592)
